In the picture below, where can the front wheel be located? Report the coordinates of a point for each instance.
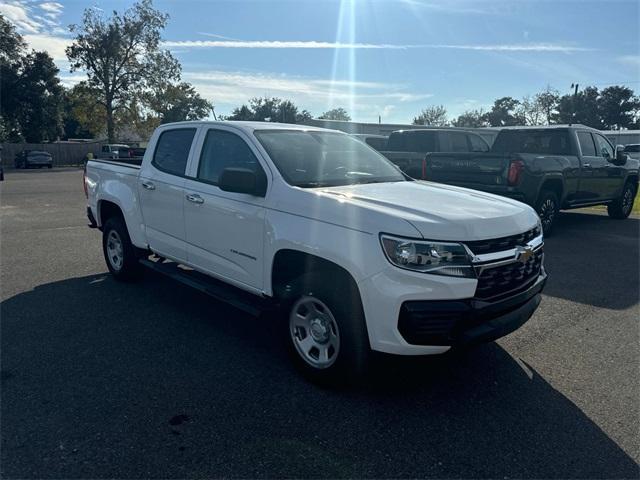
(547, 207)
(327, 332)
(622, 207)
(119, 253)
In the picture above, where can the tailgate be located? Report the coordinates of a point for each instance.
(467, 168)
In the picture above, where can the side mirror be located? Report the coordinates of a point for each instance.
(243, 180)
(621, 156)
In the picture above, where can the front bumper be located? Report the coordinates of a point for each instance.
(465, 322)
(402, 320)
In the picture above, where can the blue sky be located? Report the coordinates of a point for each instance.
(375, 57)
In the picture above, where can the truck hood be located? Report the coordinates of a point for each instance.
(441, 212)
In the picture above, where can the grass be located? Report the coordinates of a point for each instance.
(636, 205)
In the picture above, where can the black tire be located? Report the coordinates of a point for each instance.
(49, 166)
(342, 299)
(547, 207)
(622, 207)
(126, 267)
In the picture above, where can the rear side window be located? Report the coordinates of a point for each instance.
(543, 142)
(477, 143)
(458, 142)
(586, 144)
(172, 150)
(603, 148)
(632, 148)
(424, 141)
(222, 150)
(379, 144)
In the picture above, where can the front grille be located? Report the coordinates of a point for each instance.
(509, 278)
(480, 247)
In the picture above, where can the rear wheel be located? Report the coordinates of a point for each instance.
(622, 207)
(547, 208)
(119, 253)
(326, 329)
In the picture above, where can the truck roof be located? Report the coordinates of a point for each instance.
(251, 126)
(547, 127)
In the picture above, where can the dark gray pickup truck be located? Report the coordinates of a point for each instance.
(549, 168)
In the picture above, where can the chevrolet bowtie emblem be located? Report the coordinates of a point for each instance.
(523, 254)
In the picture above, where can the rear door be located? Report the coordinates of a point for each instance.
(161, 190)
(591, 164)
(225, 230)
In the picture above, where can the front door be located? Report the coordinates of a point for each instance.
(612, 176)
(590, 167)
(225, 230)
(161, 190)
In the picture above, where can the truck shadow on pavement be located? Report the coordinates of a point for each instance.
(594, 260)
(153, 379)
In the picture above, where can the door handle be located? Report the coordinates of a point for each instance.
(148, 186)
(586, 165)
(195, 198)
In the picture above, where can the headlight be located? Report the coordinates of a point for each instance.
(438, 258)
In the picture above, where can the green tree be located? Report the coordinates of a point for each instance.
(84, 115)
(336, 114)
(121, 54)
(581, 108)
(265, 109)
(617, 107)
(547, 101)
(177, 103)
(471, 119)
(435, 116)
(30, 92)
(504, 113)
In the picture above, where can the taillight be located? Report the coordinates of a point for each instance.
(424, 168)
(515, 172)
(84, 181)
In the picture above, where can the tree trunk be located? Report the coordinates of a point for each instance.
(110, 124)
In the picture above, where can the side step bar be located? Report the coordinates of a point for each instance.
(245, 301)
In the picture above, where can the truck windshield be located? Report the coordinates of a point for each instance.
(319, 159)
(542, 142)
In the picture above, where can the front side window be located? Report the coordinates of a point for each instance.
(604, 148)
(318, 159)
(222, 150)
(172, 150)
(586, 144)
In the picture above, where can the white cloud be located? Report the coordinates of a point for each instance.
(231, 89)
(631, 60)
(276, 44)
(19, 14)
(52, 7)
(52, 44)
(312, 44)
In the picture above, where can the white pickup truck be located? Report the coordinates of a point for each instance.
(314, 223)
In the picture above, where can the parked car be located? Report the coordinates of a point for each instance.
(379, 142)
(353, 255)
(114, 150)
(549, 168)
(407, 148)
(633, 150)
(33, 158)
(137, 152)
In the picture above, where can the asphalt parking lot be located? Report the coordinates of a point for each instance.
(152, 379)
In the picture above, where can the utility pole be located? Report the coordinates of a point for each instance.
(575, 100)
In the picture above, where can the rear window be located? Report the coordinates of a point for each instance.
(419, 141)
(543, 142)
(172, 150)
